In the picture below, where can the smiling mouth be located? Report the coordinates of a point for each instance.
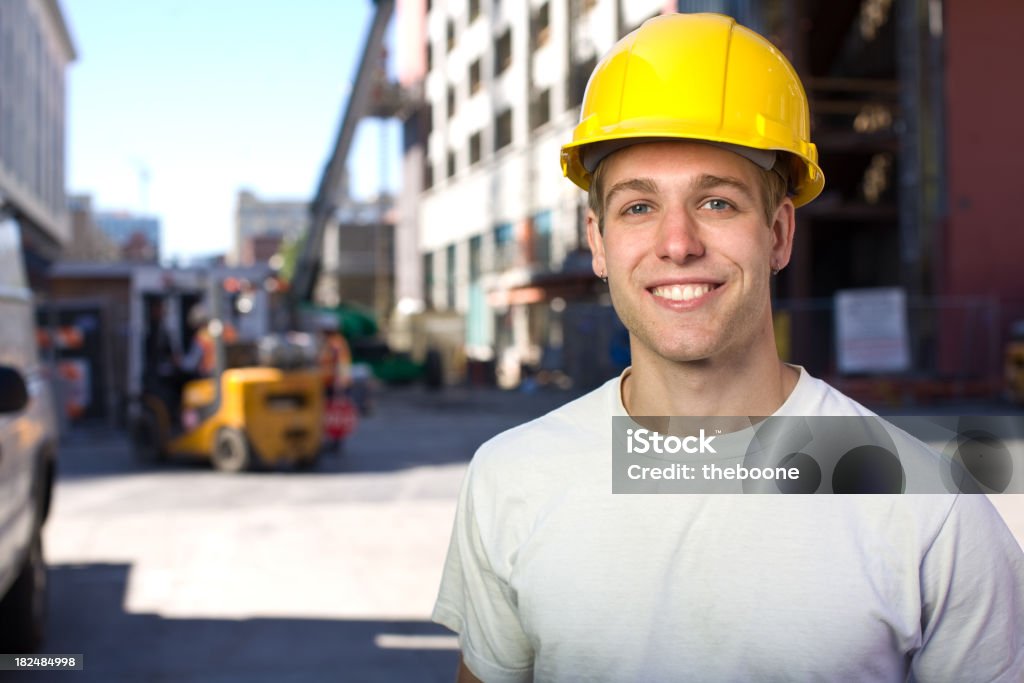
(682, 292)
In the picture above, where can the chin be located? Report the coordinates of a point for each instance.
(685, 350)
(687, 356)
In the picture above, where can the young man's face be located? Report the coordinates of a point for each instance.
(686, 249)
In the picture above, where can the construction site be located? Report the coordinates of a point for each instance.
(903, 287)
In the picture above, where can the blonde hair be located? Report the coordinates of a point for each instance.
(775, 186)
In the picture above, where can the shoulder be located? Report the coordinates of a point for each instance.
(813, 396)
(859, 447)
(518, 472)
(585, 416)
(554, 439)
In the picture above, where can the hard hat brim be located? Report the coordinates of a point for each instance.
(808, 179)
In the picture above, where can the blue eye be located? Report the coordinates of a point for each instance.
(717, 205)
(638, 209)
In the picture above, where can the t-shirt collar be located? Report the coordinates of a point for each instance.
(788, 406)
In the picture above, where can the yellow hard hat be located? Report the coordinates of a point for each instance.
(698, 77)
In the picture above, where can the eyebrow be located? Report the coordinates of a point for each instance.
(704, 181)
(708, 182)
(638, 184)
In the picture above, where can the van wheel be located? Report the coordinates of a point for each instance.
(145, 436)
(231, 452)
(23, 609)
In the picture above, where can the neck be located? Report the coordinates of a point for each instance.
(751, 384)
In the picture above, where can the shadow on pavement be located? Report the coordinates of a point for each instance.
(409, 427)
(87, 617)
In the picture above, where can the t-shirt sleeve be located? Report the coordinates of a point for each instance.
(973, 599)
(477, 603)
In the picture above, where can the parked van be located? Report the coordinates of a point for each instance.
(28, 447)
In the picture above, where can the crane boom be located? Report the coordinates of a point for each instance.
(325, 202)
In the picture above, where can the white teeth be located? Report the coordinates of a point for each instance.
(682, 292)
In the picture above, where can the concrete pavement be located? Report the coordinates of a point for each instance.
(179, 573)
(182, 573)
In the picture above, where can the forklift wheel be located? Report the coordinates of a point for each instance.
(232, 452)
(308, 463)
(145, 435)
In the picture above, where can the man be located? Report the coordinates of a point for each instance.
(201, 358)
(694, 147)
(160, 366)
(335, 360)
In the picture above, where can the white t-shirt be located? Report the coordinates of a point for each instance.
(551, 577)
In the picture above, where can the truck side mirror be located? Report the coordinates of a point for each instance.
(13, 390)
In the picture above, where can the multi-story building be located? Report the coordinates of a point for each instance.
(501, 235)
(88, 243)
(262, 225)
(136, 236)
(355, 264)
(915, 165)
(35, 50)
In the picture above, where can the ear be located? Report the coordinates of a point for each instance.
(782, 229)
(596, 242)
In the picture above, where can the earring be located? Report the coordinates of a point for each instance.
(775, 269)
(604, 278)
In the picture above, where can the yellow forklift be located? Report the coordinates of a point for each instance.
(262, 404)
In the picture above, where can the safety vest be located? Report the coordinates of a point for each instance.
(208, 361)
(335, 361)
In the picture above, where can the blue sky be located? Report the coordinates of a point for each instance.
(210, 96)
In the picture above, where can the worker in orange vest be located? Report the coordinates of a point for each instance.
(201, 359)
(335, 361)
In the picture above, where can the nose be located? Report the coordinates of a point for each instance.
(678, 237)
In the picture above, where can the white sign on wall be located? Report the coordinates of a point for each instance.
(871, 330)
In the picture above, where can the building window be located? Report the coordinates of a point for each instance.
(419, 125)
(428, 280)
(449, 285)
(451, 163)
(578, 77)
(474, 147)
(504, 246)
(503, 52)
(428, 173)
(540, 248)
(474, 77)
(475, 270)
(503, 129)
(450, 33)
(474, 9)
(450, 99)
(540, 108)
(541, 25)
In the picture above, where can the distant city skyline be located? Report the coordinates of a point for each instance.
(174, 107)
(137, 235)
